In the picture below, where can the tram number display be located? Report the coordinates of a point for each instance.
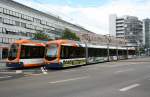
(67, 63)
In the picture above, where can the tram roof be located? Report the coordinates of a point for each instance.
(79, 44)
(29, 42)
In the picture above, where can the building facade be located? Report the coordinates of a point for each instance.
(128, 28)
(18, 21)
(146, 34)
(112, 25)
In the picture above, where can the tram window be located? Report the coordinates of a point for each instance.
(96, 52)
(104, 51)
(72, 52)
(124, 52)
(13, 52)
(121, 52)
(131, 52)
(51, 52)
(113, 52)
(31, 52)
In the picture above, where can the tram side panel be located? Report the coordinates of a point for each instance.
(72, 56)
(96, 55)
(32, 55)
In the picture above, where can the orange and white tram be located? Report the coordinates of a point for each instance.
(67, 53)
(25, 53)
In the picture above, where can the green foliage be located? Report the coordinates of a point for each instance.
(68, 34)
(41, 36)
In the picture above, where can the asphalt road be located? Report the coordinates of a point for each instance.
(126, 78)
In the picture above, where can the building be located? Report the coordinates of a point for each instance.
(128, 28)
(146, 34)
(112, 25)
(18, 21)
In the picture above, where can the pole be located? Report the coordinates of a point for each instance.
(86, 53)
(117, 52)
(148, 51)
(127, 53)
(108, 51)
(138, 49)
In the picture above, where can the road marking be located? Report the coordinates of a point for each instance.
(129, 87)
(119, 65)
(44, 70)
(121, 71)
(19, 71)
(73, 79)
(5, 76)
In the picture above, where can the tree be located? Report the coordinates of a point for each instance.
(68, 34)
(41, 36)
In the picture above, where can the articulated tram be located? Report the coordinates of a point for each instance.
(67, 53)
(25, 53)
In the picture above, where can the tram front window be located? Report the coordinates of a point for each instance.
(51, 52)
(13, 52)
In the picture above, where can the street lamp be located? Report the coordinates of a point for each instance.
(117, 40)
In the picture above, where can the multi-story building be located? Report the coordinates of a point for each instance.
(146, 34)
(18, 21)
(128, 28)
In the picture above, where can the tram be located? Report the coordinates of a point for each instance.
(67, 53)
(25, 54)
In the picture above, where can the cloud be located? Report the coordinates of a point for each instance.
(95, 18)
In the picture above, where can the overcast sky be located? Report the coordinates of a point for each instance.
(91, 14)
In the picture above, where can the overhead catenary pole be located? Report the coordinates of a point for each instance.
(108, 44)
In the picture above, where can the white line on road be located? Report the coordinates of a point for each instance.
(118, 65)
(5, 76)
(120, 71)
(73, 79)
(129, 87)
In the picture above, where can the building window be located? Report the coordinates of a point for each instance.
(30, 26)
(1, 20)
(1, 30)
(10, 12)
(23, 33)
(23, 25)
(1, 9)
(11, 31)
(16, 14)
(4, 30)
(25, 17)
(17, 23)
(39, 28)
(1, 39)
(8, 21)
(30, 18)
(43, 22)
(37, 20)
(49, 24)
(6, 11)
